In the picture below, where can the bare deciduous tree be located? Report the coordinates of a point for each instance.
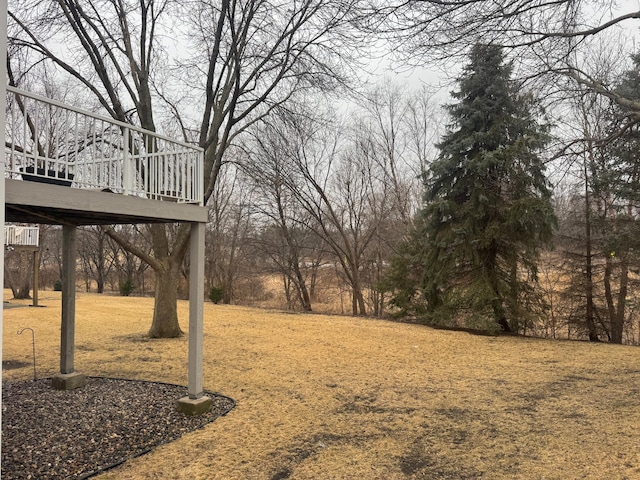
(95, 257)
(436, 29)
(284, 237)
(228, 233)
(18, 272)
(232, 63)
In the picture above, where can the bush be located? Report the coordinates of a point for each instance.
(216, 294)
(57, 286)
(126, 288)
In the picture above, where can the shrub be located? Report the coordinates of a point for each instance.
(216, 294)
(57, 286)
(126, 288)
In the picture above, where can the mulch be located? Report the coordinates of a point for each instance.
(53, 434)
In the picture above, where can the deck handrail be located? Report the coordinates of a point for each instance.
(50, 141)
(19, 235)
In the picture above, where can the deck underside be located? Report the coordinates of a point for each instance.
(31, 202)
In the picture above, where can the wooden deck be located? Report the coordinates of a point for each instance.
(32, 202)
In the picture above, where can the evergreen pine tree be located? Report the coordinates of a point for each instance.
(487, 204)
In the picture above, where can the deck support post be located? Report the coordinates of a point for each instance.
(68, 378)
(196, 402)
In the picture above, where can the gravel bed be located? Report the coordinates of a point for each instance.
(53, 434)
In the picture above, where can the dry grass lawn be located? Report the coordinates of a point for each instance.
(329, 397)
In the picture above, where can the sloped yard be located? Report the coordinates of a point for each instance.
(341, 398)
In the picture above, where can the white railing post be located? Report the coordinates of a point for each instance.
(128, 172)
(198, 181)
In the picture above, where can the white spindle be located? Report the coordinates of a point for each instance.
(127, 163)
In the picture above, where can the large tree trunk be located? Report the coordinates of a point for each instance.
(165, 312)
(166, 265)
(24, 276)
(100, 284)
(358, 305)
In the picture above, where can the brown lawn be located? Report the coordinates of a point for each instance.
(330, 397)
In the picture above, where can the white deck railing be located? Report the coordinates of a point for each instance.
(17, 235)
(47, 141)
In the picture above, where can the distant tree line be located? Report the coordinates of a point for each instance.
(396, 218)
(515, 208)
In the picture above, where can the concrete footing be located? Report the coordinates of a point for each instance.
(194, 406)
(68, 381)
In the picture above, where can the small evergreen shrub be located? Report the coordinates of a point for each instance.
(216, 294)
(127, 288)
(57, 286)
